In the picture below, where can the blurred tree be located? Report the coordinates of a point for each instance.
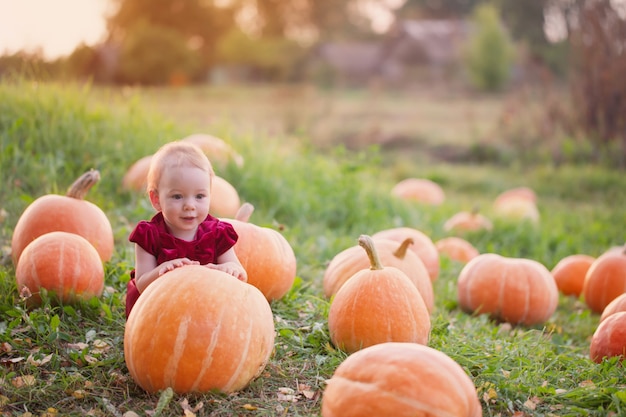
(437, 9)
(153, 55)
(490, 52)
(200, 23)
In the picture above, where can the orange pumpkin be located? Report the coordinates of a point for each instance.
(420, 190)
(569, 273)
(456, 248)
(618, 304)
(605, 279)
(391, 253)
(423, 246)
(265, 254)
(514, 290)
(377, 305)
(197, 329)
(219, 152)
(135, 176)
(225, 201)
(62, 263)
(467, 221)
(609, 339)
(517, 204)
(523, 192)
(69, 213)
(400, 380)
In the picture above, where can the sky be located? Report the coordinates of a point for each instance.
(56, 27)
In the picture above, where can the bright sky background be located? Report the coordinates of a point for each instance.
(55, 26)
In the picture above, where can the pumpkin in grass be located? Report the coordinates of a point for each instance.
(400, 380)
(456, 248)
(467, 221)
(220, 153)
(265, 254)
(569, 273)
(618, 304)
(421, 190)
(225, 201)
(517, 204)
(391, 253)
(197, 329)
(64, 264)
(423, 246)
(522, 192)
(606, 279)
(377, 305)
(66, 213)
(135, 177)
(609, 339)
(513, 290)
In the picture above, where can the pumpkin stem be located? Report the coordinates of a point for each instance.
(244, 212)
(400, 253)
(83, 184)
(367, 243)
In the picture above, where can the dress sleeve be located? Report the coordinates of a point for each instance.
(226, 237)
(145, 235)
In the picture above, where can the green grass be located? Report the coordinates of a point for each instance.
(69, 359)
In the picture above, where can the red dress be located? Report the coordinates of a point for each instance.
(213, 238)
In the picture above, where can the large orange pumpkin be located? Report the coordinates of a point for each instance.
(62, 263)
(457, 249)
(606, 279)
(423, 246)
(136, 175)
(265, 254)
(391, 253)
(197, 329)
(569, 273)
(609, 339)
(225, 201)
(421, 190)
(377, 305)
(514, 290)
(400, 380)
(67, 213)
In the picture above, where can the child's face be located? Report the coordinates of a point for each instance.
(184, 197)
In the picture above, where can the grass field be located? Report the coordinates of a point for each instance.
(321, 165)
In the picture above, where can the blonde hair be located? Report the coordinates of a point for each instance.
(176, 154)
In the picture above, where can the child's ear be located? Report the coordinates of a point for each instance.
(154, 199)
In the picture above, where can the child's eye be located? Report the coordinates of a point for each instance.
(177, 196)
(200, 196)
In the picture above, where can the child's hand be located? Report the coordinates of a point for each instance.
(176, 263)
(231, 268)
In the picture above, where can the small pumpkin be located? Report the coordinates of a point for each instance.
(65, 264)
(569, 273)
(135, 176)
(467, 221)
(618, 304)
(396, 379)
(606, 279)
(225, 200)
(457, 249)
(609, 339)
(514, 290)
(391, 253)
(421, 190)
(67, 213)
(517, 204)
(265, 254)
(220, 153)
(197, 329)
(423, 246)
(377, 305)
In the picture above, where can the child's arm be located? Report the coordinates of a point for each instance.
(229, 263)
(147, 270)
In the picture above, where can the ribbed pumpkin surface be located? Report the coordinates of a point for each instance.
(400, 380)
(196, 329)
(62, 262)
(515, 290)
(606, 279)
